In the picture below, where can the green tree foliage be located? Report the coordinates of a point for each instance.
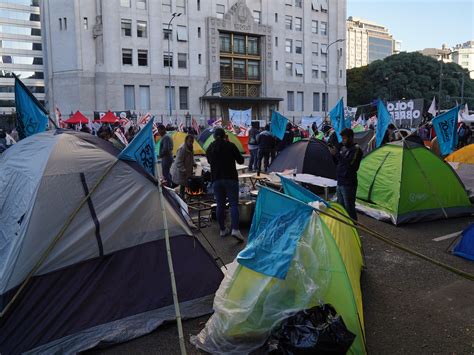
(409, 76)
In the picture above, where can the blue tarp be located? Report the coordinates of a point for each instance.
(465, 247)
(277, 226)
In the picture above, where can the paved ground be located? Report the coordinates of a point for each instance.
(410, 306)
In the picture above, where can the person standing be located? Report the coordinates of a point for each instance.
(165, 154)
(348, 159)
(182, 168)
(253, 146)
(222, 156)
(266, 146)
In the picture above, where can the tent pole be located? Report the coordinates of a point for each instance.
(56, 240)
(170, 264)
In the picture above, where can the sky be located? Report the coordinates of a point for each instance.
(420, 24)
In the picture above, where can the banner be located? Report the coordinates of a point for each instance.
(278, 125)
(445, 126)
(31, 116)
(383, 120)
(406, 113)
(307, 121)
(120, 114)
(241, 117)
(142, 149)
(337, 118)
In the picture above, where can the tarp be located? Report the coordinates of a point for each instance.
(407, 183)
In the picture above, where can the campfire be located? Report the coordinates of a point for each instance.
(194, 192)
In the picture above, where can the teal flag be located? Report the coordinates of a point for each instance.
(278, 125)
(142, 149)
(31, 116)
(383, 120)
(337, 118)
(445, 126)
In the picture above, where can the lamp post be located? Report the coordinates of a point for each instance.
(170, 61)
(326, 98)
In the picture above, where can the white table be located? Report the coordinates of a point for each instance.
(203, 164)
(316, 181)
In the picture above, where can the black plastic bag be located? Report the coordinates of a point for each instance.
(319, 330)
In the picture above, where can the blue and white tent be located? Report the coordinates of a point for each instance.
(107, 279)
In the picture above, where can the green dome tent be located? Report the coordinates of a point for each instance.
(206, 138)
(405, 182)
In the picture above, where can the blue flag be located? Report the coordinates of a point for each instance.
(142, 149)
(297, 191)
(31, 116)
(445, 126)
(383, 120)
(337, 118)
(278, 125)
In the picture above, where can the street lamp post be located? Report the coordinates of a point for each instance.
(170, 61)
(326, 98)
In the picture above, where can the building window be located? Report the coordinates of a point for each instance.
(289, 2)
(276, 41)
(324, 6)
(125, 3)
(226, 68)
(126, 28)
(316, 101)
(85, 23)
(252, 45)
(129, 97)
(288, 22)
(127, 57)
(239, 44)
(220, 10)
(183, 97)
(182, 33)
(298, 24)
(300, 101)
(257, 16)
(181, 6)
(323, 72)
(167, 32)
(324, 49)
(182, 60)
(142, 29)
(324, 102)
(60, 24)
(276, 17)
(340, 73)
(169, 92)
(299, 3)
(276, 64)
(314, 27)
(142, 58)
(299, 69)
(324, 28)
(199, 59)
(315, 73)
(290, 100)
(298, 47)
(168, 59)
(198, 5)
(239, 69)
(144, 97)
(253, 70)
(289, 68)
(315, 53)
(166, 5)
(65, 23)
(199, 32)
(288, 45)
(141, 4)
(224, 39)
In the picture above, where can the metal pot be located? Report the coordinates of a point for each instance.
(246, 210)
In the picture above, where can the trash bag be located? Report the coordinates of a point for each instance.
(318, 330)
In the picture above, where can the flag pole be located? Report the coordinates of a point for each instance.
(170, 264)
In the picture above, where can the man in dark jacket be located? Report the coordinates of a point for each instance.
(222, 156)
(348, 159)
(266, 144)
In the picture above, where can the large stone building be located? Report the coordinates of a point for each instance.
(266, 53)
(20, 51)
(463, 54)
(367, 42)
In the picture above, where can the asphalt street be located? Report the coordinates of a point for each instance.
(410, 305)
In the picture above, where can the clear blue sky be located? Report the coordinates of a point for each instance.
(420, 23)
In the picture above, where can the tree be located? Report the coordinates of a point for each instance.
(409, 76)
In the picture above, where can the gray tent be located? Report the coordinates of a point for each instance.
(107, 280)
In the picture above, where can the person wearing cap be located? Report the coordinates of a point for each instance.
(222, 156)
(166, 155)
(348, 158)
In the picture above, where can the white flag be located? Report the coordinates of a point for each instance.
(432, 108)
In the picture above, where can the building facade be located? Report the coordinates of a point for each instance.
(367, 42)
(463, 54)
(443, 53)
(20, 51)
(266, 54)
